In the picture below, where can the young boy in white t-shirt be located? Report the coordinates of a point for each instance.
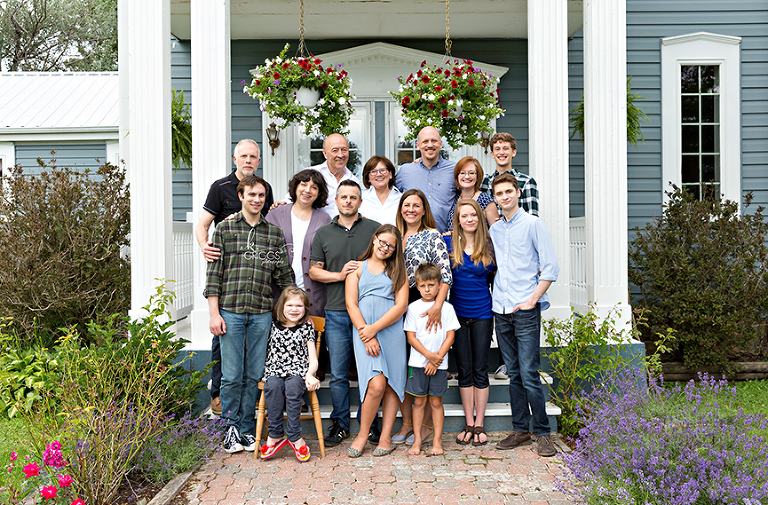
(428, 353)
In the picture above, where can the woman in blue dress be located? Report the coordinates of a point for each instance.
(377, 297)
(472, 265)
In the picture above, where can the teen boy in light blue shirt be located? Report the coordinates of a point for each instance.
(527, 266)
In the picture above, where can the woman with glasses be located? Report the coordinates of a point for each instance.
(468, 176)
(380, 196)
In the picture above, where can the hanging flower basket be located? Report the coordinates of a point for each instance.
(459, 100)
(278, 86)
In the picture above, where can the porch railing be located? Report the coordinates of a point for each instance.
(183, 273)
(578, 281)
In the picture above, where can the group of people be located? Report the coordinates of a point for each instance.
(403, 267)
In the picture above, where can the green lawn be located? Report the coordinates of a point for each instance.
(13, 436)
(752, 396)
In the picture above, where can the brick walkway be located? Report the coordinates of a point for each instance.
(464, 475)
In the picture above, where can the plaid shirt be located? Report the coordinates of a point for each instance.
(529, 192)
(251, 258)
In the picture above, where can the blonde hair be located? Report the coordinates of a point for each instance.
(482, 251)
(279, 309)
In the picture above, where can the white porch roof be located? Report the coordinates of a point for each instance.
(53, 101)
(326, 19)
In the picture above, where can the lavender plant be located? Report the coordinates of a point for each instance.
(672, 446)
(182, 445)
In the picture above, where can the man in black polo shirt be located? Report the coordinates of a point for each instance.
(335, 250)
(223, 201)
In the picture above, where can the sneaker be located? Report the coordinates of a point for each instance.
(545, 447)
(248, 442)
(216, 406)
(336, 434)
(513, 440)
(501, 373)
(374, 434)
(232, 440)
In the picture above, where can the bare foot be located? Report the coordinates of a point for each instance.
(299, 443)
(415, 449)
(359, 443)
(272, 441)
(437, 450)
(405, 430)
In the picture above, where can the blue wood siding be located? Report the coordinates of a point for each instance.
(648, 21)
(72, 155)
(181, 81)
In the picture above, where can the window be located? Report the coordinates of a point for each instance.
(700, 114)
(700, 129)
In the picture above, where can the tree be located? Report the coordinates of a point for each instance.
(56, 35)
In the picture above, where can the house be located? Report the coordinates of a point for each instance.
(700, 65)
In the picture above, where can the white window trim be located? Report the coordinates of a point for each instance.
(702, 48)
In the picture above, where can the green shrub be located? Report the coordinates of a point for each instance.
(701, 270)
(115, 398)
(25, 374)
(61, 238)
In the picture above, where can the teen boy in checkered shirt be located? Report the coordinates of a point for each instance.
(503, 149)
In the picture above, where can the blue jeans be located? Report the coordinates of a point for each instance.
(216, 368)
(243, 354)
(285, 392)
(338, 336)
(518, 336)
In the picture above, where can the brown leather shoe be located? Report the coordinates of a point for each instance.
(216, 406)
(513, 440)
(545, 447)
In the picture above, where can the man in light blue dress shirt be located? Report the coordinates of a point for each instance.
(527, 265)
(432, 174)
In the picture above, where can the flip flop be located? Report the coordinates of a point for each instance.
(302, 453)
(267, 451)
(477, 431)
(465, 431)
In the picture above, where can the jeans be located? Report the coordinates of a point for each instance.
(338, 336)
(216, 368)
(518, 336)
(279, 391)
(472, 346)
(243, 354)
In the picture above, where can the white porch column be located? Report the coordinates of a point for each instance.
(548, 132)
(145, 85)
(605, 153)
(211, 129)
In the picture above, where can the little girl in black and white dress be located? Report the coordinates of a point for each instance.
(289, 372)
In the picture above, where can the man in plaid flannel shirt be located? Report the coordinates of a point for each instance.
(238, 287)
(503, 149)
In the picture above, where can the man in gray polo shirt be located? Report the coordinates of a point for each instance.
(335, 250)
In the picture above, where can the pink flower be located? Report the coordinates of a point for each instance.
(65, 480)
(31, 470)
(78, 501)
(49, 492)
(14, 456)
(52, 455)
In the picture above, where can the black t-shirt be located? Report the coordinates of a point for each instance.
(223, 200)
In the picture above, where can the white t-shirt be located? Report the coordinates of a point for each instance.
(299, 231)
(432, 341)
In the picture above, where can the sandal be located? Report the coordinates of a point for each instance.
(479, 430)
(302, 453)
(267, 451)
(400, 439)
(461, 438)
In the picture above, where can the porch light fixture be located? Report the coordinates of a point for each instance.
(272, 136)
(485, 140)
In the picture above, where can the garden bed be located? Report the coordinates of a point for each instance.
(747, 370)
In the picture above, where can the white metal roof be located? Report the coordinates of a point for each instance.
(66, 101)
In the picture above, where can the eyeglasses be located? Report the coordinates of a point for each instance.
(389, 247)
(378, 171)
(465, 174)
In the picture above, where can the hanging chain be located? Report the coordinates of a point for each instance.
(448, 42)
(302, 48)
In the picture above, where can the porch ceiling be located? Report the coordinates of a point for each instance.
(375, 19)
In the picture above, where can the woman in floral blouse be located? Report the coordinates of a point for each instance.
(422, 244)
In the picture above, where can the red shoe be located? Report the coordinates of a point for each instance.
(267, 451)
(302, 453)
